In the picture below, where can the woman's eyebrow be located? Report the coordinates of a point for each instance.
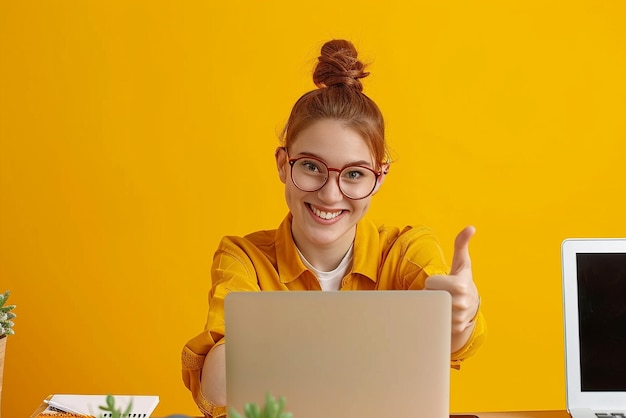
(357, 162)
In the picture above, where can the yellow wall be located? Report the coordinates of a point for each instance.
(134, 134)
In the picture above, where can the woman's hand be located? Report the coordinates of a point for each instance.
(460, 284)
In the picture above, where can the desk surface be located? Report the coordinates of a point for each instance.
(515, 414)
(524, 414)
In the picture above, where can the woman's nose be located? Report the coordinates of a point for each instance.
(330, 192)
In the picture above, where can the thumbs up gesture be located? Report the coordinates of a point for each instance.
(460, 284)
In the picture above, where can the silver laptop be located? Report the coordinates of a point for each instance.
(594, 292)
(366, 354)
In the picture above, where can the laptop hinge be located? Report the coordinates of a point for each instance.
(582, 413)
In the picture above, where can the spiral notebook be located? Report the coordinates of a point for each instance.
(63, 405)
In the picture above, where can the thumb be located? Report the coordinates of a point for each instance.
(461, 258)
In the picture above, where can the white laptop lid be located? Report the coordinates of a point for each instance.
(365, 354)
(594, 292)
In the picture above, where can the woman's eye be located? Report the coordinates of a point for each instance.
(310, 166)
(353, 174)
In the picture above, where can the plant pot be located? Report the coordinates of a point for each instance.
(3, 347)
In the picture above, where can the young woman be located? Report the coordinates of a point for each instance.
(333, 160)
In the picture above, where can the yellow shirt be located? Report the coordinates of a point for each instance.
(385, 258)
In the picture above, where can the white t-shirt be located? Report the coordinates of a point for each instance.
(331, 280)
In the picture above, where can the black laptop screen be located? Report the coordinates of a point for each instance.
(602, 321)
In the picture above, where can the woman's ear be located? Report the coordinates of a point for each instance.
(383, 172)
(282, 163)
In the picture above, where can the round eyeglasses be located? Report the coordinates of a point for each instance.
(310, 174)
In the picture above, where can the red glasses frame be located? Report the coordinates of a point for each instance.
(377, 175)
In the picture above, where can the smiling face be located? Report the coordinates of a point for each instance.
(325, 219)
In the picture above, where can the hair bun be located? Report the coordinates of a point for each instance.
(338, 65)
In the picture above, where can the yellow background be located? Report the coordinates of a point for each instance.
(134, 134)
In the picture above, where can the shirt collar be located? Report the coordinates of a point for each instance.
(290, 266)
(366, 251)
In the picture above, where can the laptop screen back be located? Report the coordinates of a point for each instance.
(365, 354)
(594, 283)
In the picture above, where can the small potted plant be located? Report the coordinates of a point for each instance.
(6, 316)
(272, 409)
(6, 328)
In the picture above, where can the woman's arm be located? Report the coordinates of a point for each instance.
(213, 379)
(459, 339)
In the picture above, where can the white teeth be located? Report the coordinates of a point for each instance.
(325, 215)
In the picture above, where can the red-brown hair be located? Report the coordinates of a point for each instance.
(339, 96)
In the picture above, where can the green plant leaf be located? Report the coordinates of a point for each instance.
(280, 407)
(248, 410)
(128, 409)
(232, 413)
(271, 406)
(256, 411)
